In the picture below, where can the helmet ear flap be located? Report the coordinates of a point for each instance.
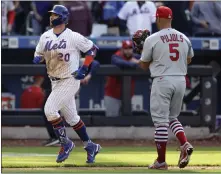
(65, 19)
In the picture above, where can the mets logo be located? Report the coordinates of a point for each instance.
(60, 45)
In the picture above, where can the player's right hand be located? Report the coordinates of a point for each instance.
(37, 59)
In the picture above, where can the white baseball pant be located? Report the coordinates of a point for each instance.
(62, 98)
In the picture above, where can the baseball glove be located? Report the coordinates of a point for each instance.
(138, 39)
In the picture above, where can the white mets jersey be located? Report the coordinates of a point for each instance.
(168, 50)
(138, 18)
(62, 53)
(6, 7)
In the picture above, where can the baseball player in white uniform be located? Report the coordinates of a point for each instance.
(167, 54)
(60, 48)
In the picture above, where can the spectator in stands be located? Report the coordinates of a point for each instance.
(137, 15)
(40, 18)
(191, 5)
(110, 12)
(8, 16)
(123, 58)
(80, 19)
(206, 17)
(181, 16)
(97, 11)
(22, 9)
(33, 97)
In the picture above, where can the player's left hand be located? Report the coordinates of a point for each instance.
(80, 73)
(138, 39)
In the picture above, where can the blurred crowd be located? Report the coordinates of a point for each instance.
(112, 18)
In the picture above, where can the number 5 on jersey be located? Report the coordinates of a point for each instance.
(174, 53)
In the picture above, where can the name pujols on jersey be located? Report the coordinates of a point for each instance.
(172, 38)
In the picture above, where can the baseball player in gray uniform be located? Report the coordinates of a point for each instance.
(60, 48)
(167, 53)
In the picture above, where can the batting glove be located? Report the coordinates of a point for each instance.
(80, 73)
(37, 59)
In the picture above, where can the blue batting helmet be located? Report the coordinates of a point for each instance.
(63, 14)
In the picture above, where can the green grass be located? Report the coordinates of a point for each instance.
(110, 159)
(112, 170)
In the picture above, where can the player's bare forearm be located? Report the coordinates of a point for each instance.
(189, 60)
(144, 65)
